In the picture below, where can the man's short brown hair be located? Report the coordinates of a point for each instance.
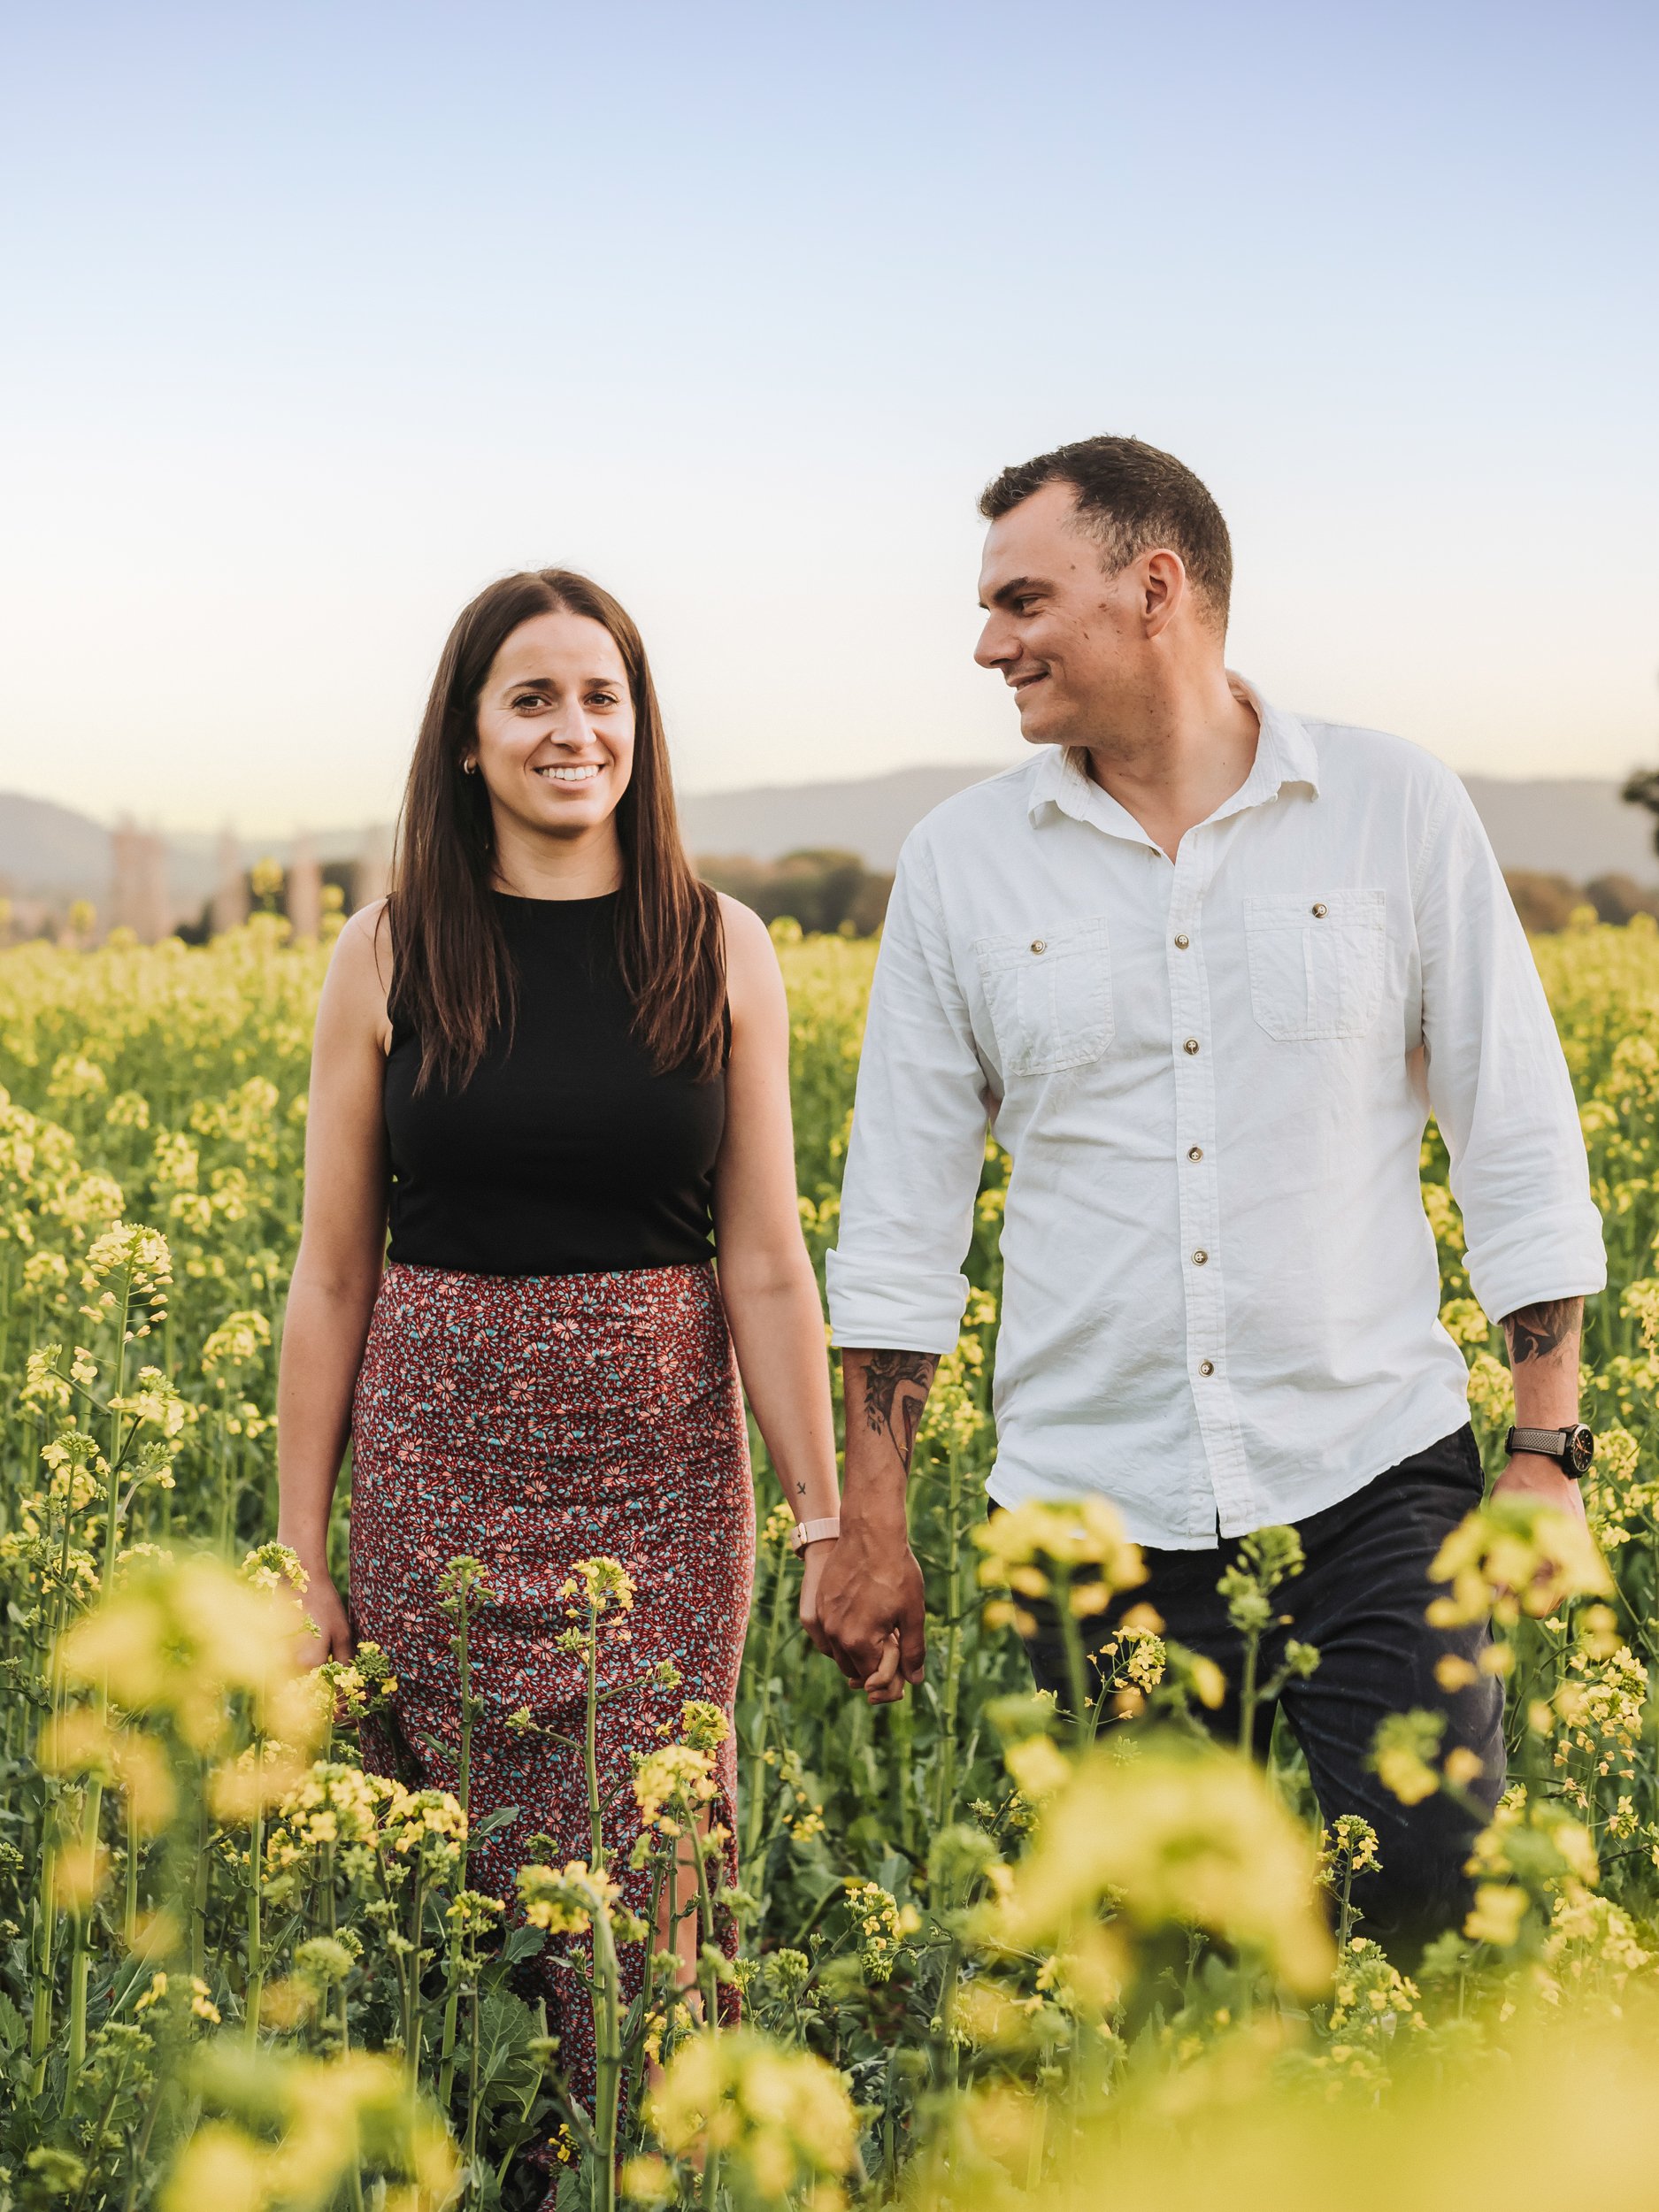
(1132, 497)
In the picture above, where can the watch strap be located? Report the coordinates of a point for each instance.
(1547, 1443)
(805, 1532)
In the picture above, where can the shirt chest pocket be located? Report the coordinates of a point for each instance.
(1316, 962)
(1049, 995)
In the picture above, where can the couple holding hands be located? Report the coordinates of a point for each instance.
(1205, 966)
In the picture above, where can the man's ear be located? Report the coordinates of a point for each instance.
(1163, 588)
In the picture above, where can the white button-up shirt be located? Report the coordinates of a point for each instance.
(1220, 1299)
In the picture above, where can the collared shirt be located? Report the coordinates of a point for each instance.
(1220, 1300)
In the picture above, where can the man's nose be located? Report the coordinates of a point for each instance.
(995, 646)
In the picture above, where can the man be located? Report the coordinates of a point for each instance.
(1207, 967)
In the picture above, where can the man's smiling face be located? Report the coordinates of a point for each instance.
(1060, 630)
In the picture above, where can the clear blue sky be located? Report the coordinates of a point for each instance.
(320, 316)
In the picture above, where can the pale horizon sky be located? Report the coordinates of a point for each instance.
(318, 319)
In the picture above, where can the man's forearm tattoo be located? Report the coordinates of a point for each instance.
(1535, 1332)
(895, 1390)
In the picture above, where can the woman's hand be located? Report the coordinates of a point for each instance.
(813, 1561)
(333, 1639)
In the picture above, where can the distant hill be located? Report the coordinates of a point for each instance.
(871, 815)
(48, 851)
(1567, 825)
(1575, 827)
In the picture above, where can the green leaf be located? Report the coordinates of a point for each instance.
(507, 2073)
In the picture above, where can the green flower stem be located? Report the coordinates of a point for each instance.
(464, 1787)
(755, 1808)
(411, 1986)
(79, 1966)
(607, 2004)
(472, 2076)
(590, 1746)
(1071, 1642)
(950, 1683)
(1247, 1698)
(255, 1932)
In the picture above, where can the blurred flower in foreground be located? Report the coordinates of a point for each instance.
(293, 2131)
(1078, 1543)
(1183, 1834)
(781, 2119)
(178, 1638)
(1513, 1555)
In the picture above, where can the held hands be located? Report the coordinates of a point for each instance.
(868, 1611)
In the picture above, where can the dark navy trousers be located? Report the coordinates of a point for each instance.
(1361, 1599)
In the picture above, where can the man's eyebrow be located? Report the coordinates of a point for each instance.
(1014, 589)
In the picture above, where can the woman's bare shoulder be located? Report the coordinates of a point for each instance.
(754, 981)
(747, 940)
(360, 972)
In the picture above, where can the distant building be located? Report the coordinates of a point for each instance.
(230, 890)
(371, 871)
(138, 884)
(304, 890)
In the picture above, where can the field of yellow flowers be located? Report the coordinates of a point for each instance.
(987, 1956)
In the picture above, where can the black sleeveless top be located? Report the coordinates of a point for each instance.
(564, 1154)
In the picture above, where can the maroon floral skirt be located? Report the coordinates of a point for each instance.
(529, 1422)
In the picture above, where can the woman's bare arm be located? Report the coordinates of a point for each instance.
(342, 1245)
(766, 1277)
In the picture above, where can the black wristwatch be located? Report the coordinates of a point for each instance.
(1572, 1449)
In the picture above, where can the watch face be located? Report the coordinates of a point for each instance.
(1580, 1449)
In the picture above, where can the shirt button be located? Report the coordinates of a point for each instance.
(1199, 1258)
(1318, 910)
(1191, 1045)
(1040, 944)
(1182, 943)
(1206, 1366)
(1195, 1152)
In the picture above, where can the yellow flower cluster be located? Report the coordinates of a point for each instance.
(567, 1901)
(877, 1925)
(1182, 1835)
(598, 1583)
(1512, 1557)
(178, 1640)
(781, 2119)
(1078, 1541)
(674, 1774)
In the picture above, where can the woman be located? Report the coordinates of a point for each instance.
(561, 1064)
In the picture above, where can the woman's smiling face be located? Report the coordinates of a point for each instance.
(555, 742)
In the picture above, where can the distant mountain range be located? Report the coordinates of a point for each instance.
(1576, 827)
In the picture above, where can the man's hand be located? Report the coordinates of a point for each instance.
(1530, 1475)
(869, 1603)
(1543, 1341)
(871, 1611)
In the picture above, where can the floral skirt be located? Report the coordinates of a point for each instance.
(529, 1422)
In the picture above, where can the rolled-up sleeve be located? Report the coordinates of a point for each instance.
(1497, 1079)
(894, 1278)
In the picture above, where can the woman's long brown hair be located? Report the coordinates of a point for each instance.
(452, 980)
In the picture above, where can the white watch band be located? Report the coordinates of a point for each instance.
(805, 1532)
